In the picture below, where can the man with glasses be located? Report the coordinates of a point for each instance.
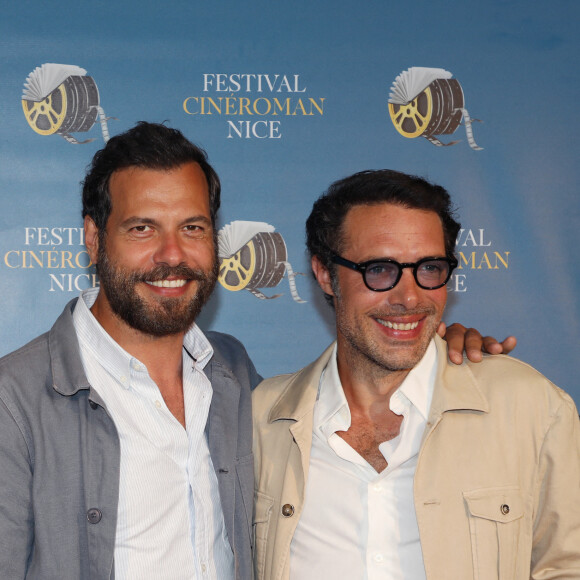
(383, 460)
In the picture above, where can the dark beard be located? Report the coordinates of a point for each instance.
(167, 315)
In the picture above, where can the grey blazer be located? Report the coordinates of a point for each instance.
(59, 458)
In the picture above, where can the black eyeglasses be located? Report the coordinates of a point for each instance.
(383, 275)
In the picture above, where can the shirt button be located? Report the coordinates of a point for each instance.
(505, 509)
(94, 515)
(158, 404)
(93, 405)
(377, 487)
(379, 558)
(204, 568)
(287, 510)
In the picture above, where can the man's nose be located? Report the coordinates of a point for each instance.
(170, 250)
(406, 292)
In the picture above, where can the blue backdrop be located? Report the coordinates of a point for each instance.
(287, 97)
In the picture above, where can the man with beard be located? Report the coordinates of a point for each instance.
(125, 432)
(383, 460)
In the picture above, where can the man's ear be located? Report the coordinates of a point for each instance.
(92, 239)
(322, 275)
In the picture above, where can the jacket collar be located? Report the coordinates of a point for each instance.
(68, 375)
(299, 396)
(222, 424)
(456, 388)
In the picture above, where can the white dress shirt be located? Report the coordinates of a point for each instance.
(357, 523)
(170, 523)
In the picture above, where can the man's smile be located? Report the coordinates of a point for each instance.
(398, 325)
(167, 283)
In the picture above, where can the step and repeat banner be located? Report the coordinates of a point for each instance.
(286, 98)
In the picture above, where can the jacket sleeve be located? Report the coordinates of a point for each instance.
(556, 541)
(16, 514)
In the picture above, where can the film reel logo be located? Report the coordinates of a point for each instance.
(424, 102)
(252, 256)
(60, 99)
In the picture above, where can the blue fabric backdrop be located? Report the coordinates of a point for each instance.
(516, 62)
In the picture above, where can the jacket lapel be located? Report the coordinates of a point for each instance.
(296, 404)
(222, 432)
(455, 388)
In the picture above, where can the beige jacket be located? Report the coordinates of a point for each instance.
(497, 485)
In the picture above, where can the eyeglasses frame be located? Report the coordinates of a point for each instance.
(362, 267)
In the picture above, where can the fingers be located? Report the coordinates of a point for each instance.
(492, 346)
(474, 344)
(459, 338)
(509, 344)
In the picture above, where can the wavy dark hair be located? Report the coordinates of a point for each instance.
(149, 146)
(324, 227)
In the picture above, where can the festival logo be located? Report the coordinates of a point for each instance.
(60, 99)
(254, 105)
(424, 102)
(252, 255)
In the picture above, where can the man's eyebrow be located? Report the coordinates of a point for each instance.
(146, 221)
(137, 220)
(384, 258)
(196, 218)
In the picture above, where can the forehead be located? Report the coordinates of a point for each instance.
(134, 187)
(391, 231)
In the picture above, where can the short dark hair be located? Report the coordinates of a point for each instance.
(149, 146)
(324, 227)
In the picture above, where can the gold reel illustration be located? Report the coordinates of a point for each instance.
(258, 264)
(72, 106)
(237, 271)
(412, 119)
(434, 111)
(46, 116)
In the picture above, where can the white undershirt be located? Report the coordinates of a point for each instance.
(170, 522)
(357, 523)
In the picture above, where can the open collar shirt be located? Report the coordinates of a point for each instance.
(357, 523)
(170, 521)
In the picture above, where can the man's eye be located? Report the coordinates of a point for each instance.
(381, 269)
(141, 229)
(433, 269)
(194, 230)
(376, 269)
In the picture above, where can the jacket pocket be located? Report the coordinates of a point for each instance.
(495, 524)
(262, 512)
